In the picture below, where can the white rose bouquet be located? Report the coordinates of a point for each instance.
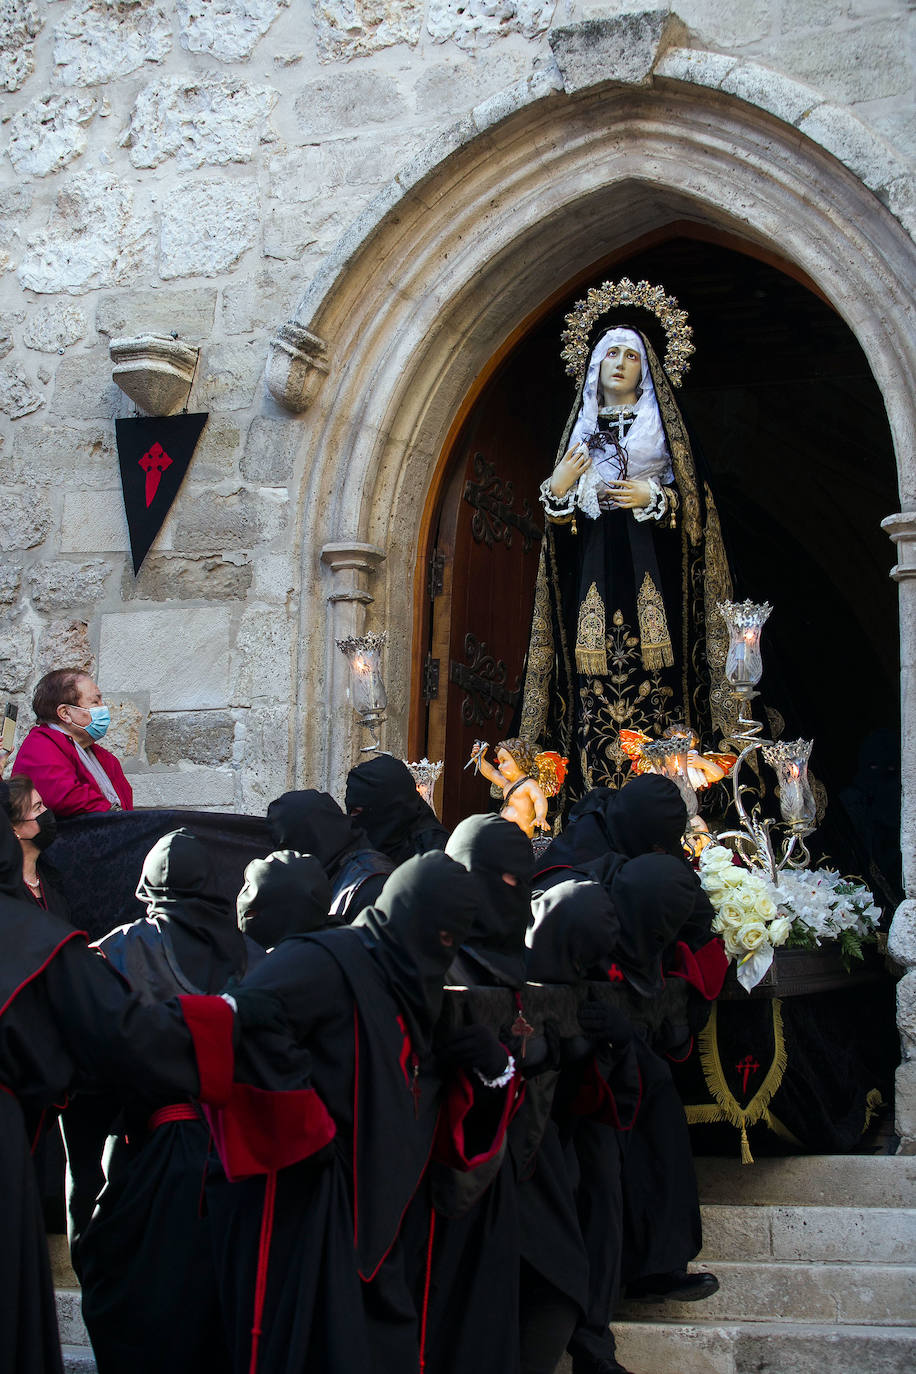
(806, 907)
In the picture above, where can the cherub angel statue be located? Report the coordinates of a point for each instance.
(526, 778)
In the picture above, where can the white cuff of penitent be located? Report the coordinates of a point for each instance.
(657, 506)
(231, 1000)
(505, 1077)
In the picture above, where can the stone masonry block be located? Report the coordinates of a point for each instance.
(190, 737)
(265, 774)
(270, 450)
(229, 31)
(60, 455)
(64, 643)
(347, 99)
(52, 328)
(356, 28)
(94, 522)
(207, 226)
(25, 518)
(213, 120)
(264, 645)
(214, 521)
(126, 727)
(63, 585)
(96, 41)
(17, 653)
(735, 1233)
(175, 577)
(188, 312)
(625, 48)
(191, 788)
(180, 657)
(229, 375)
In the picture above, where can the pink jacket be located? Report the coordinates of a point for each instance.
(52, 760)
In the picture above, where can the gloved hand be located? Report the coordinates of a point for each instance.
(475, 1047)
(259, 1009)
(600, 1021)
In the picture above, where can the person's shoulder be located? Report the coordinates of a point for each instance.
(36, 745)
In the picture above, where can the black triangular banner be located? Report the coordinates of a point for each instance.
(154, 453)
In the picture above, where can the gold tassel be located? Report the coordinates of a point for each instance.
(746, 1156)
(873, 1104)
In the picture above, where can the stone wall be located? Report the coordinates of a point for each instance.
(190, 168)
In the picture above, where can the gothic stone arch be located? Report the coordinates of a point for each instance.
(398, 332)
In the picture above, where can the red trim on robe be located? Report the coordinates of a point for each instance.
(596, 1099)
(41, 968)
(259, 1132)
(554, 868)
(211, 1022)
(704, 968)
(450, 1147)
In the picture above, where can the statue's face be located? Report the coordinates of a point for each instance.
(507, 766)
(620, 374)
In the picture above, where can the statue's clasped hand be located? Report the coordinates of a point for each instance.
(630, 495)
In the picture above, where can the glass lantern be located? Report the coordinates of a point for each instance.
(744, 666)
(426, 775)
(366, 689)
(668, 757)
(789, 759)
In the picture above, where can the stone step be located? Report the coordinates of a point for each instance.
(825, 1235)
(810, 1181)
(78, 1359)
(850, 1294)
(762, 1348)
(70, 1318)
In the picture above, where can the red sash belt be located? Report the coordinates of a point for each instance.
(178, 1111)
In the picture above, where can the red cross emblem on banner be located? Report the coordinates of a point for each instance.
(154, 463)
(746, 1067)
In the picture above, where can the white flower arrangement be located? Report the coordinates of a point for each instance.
(806, 907)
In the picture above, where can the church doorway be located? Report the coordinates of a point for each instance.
(786, 411)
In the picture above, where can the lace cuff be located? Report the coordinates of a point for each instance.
(658, 505)
(558, 509)
(504, 1078)
(231, 1000)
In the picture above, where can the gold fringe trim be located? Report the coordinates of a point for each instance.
(727, 1107)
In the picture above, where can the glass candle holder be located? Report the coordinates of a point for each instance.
(426, 775)
(366, 689)
(669, 758)
(789, 759)
(745, 620)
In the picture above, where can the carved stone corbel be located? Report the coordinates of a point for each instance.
(296, 366)
(155, 371)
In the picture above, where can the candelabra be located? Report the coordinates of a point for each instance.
(366, 689)
(426, 775)
(754, 834)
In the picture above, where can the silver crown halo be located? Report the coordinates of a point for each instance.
(607, 296)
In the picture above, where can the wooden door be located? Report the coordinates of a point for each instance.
(483, 565)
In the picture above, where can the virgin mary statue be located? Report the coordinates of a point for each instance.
(625, 634)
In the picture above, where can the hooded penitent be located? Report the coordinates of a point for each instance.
(489, 847)
(648, 814)
(311, 822)
(383, 793)
(284, 894)
(575, 929)
(428, 897)
(654, 898)
(179, 888)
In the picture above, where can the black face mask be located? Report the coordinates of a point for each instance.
(47, 830)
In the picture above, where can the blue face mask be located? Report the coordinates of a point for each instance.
(101, 719)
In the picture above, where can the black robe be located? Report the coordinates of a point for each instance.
(147, 1249)
(65, 1017)
(362, 1002)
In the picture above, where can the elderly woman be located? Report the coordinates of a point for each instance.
(35, 827)
(631, 559)
(61, 754)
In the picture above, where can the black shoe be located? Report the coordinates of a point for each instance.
(678, 1286)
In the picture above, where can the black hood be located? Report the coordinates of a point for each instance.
(585, 835)
(575, 930)
(391, 810)
(489, 847)
(310, 822)
(654, 896)
(648, 812)
(426, 895)
(178, 885)
(284, 894)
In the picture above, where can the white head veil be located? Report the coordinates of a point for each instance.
(646, 446)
